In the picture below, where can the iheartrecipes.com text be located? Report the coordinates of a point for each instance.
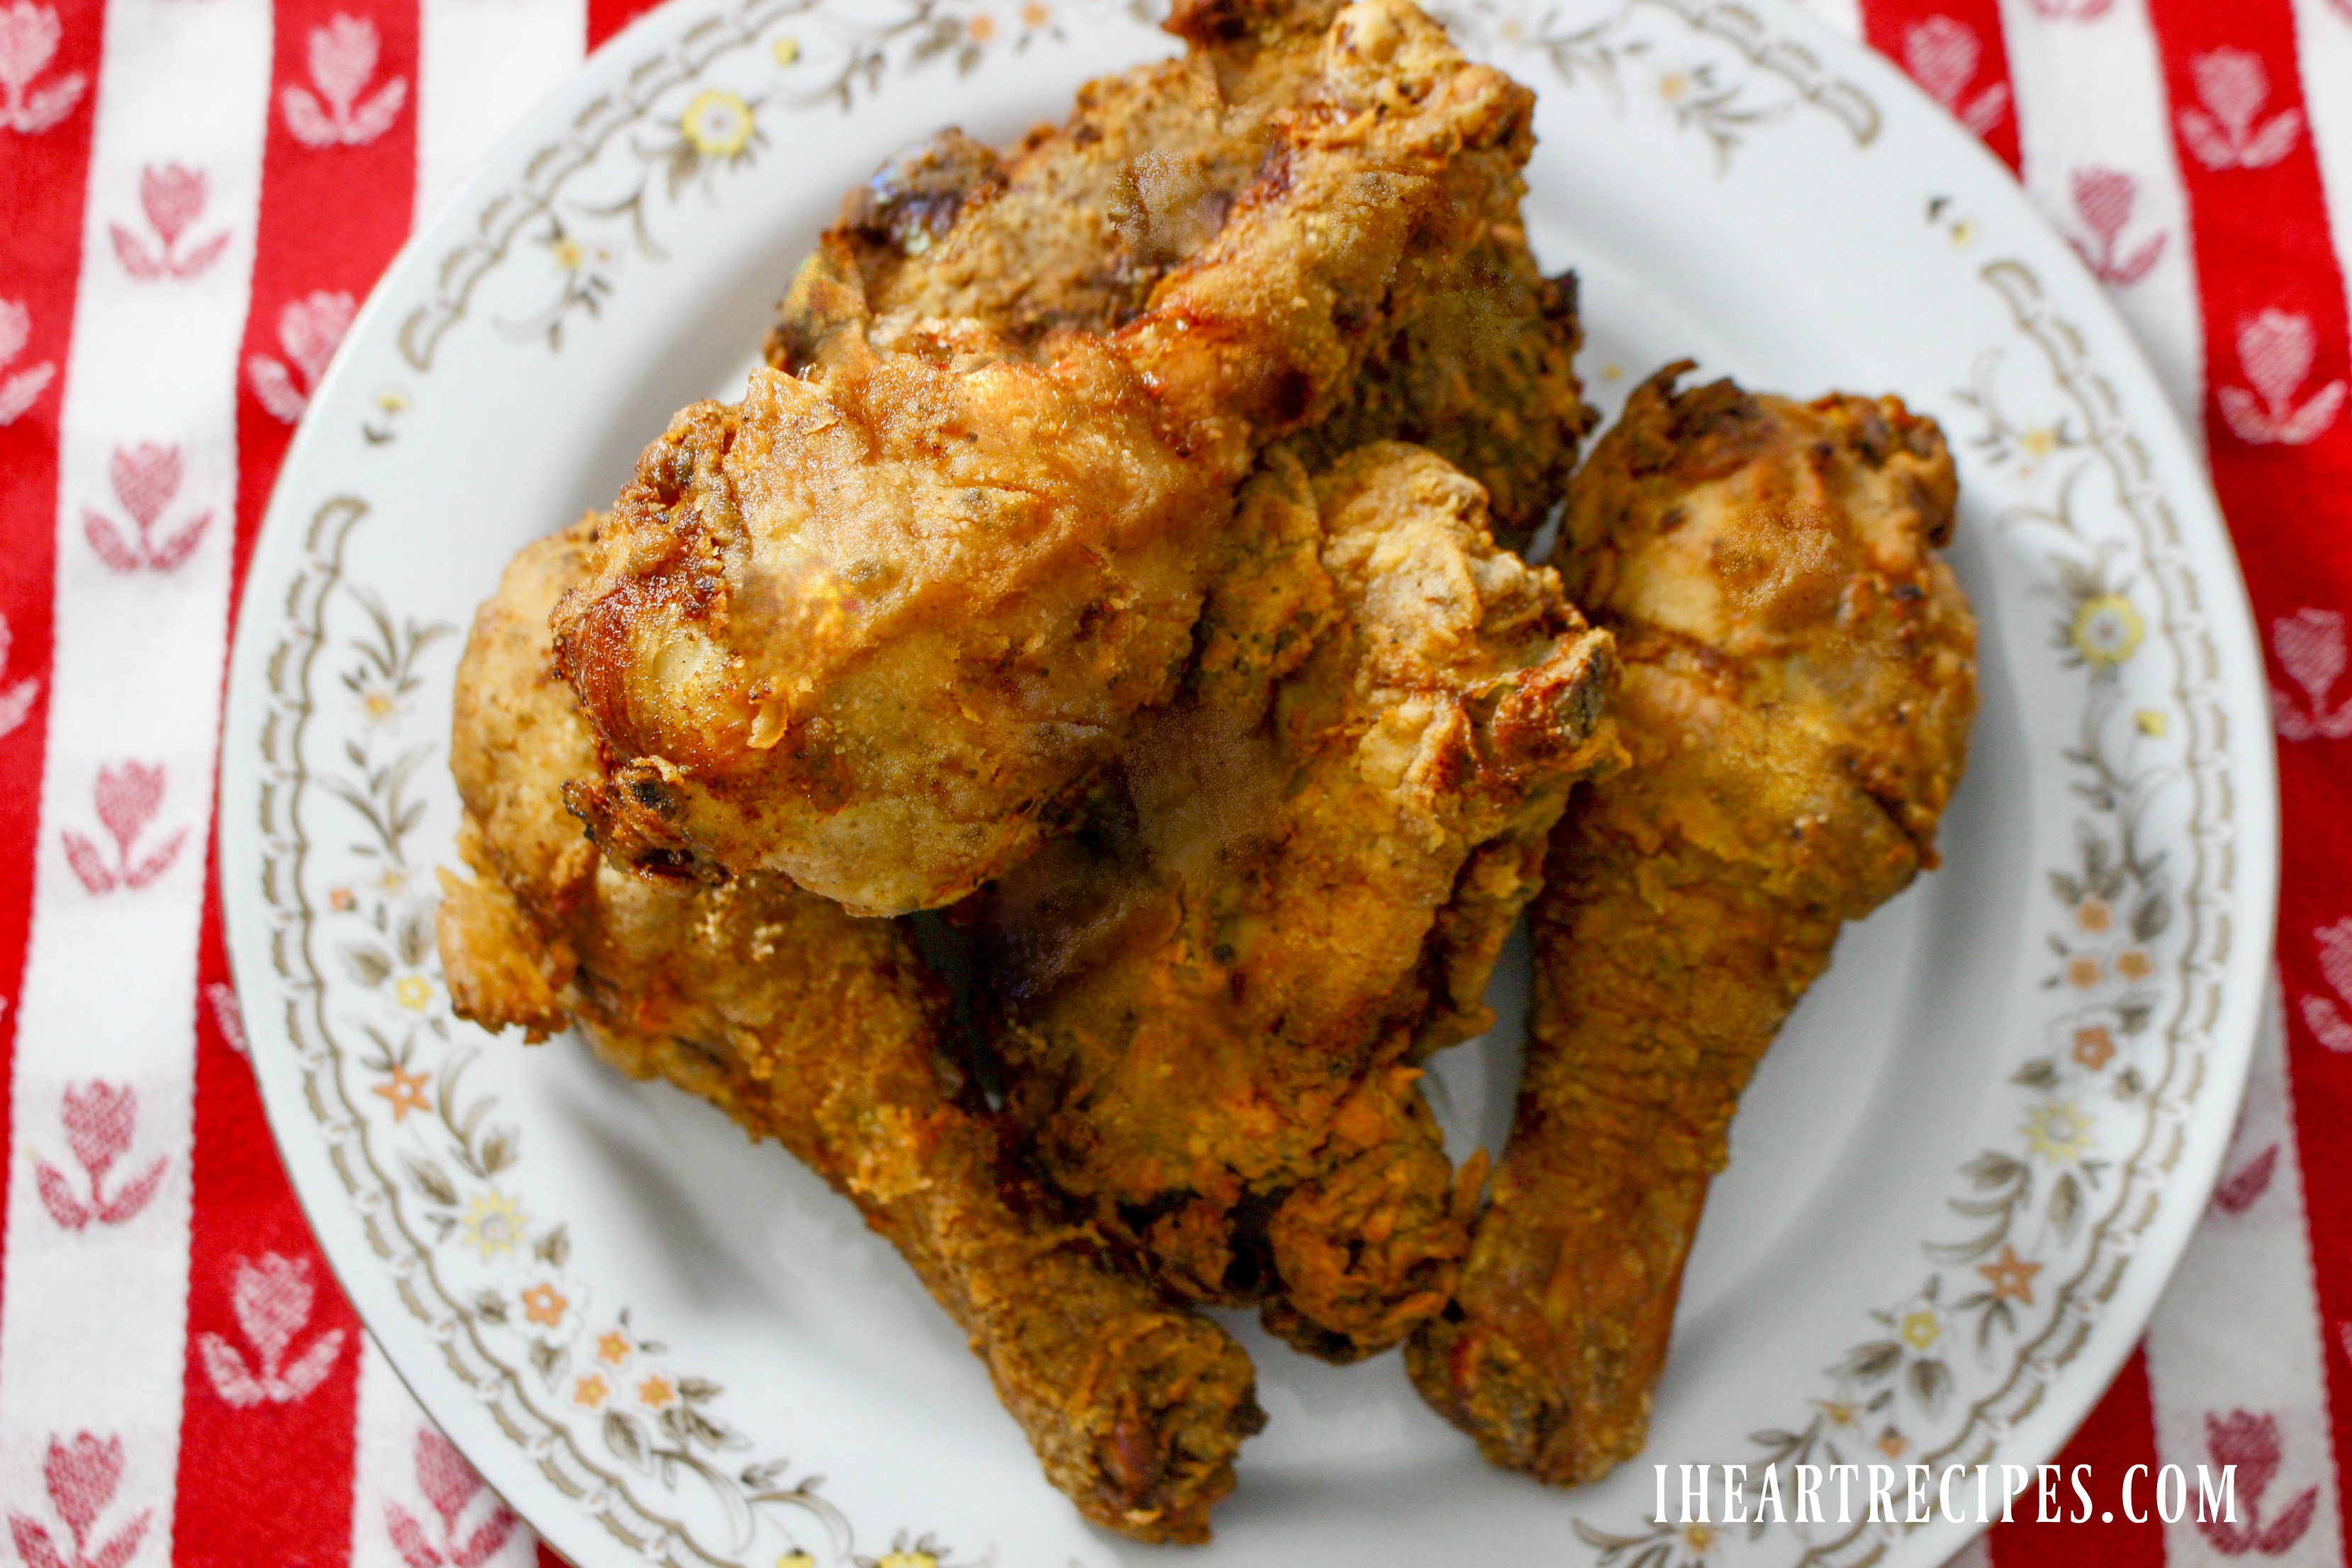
(1920, 1494)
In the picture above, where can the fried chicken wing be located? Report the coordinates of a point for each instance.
(1799, 682)
(868, 628)
(1290, 888)
(818, 1030)
(1073, 229)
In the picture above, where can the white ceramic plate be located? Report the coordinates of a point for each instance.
(1958, 1182)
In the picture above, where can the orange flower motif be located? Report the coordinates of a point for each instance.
(2094, 915)
(2011, 1277)
(2094, 1047)
(339, 900)
(612, 1347)
(406, 1091)
(2133, 964)
(1892, 1443)
(1034, 15)
(2083, 972)
(980, 29)
(543, 1304)
(591, 1391)
(657, 1392)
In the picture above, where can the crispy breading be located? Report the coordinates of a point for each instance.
(820, 1031)
(1800, 680)
(1290, 888)
(1071, 230)
(868, 629)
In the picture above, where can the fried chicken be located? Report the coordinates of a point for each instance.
(868, 628)
(1073, 228)
(819, 1030)
(1800, 679)
(1290, 888)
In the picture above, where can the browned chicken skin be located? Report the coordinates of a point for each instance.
(1293, 887)
(819, 1030)
(1071, 230)
(868, 628)
(1799, 682)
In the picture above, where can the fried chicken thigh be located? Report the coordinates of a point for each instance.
(819, 1030)
(1799, 682)
(870, 627)
(1291, 888)
(1071, 231)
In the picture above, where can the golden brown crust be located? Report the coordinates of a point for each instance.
(1073, 229)
(1799, 679)
(820, 1031)
(1293, 885)
(867, 629)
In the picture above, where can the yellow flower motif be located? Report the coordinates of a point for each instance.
(591, 1391)
(543, 1304)
(1699, 1537)
(788, 53)
(796, 1560)
(2058, 1132)
(1840, 1413)
(906, 1560)
(406, 1091)
(1962, 233)
(2040, 440)
(1919, 1328)
(612, 1347)
(2153, 722)
(2107, 630)
(717, 124)
(657, 1392)
(391, 401)
(1674, 86)
(569, 254)
(413, 992)
(493, 1224)
(381, 706)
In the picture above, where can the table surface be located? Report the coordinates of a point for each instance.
(253, 167)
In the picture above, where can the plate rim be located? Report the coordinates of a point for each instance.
(2226, 614)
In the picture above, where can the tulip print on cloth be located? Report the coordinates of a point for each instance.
(344, 103)
(307, 329)
(29, 43)
(273, 1299)
(81, 1476)
(201, 194)
(19, 385)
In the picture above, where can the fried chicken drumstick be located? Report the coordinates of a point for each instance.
(1799, 681)
(1290, 888)
(869, 627)
(818, 1030)
(1071, 231)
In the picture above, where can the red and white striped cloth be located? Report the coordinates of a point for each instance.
(193, 195)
